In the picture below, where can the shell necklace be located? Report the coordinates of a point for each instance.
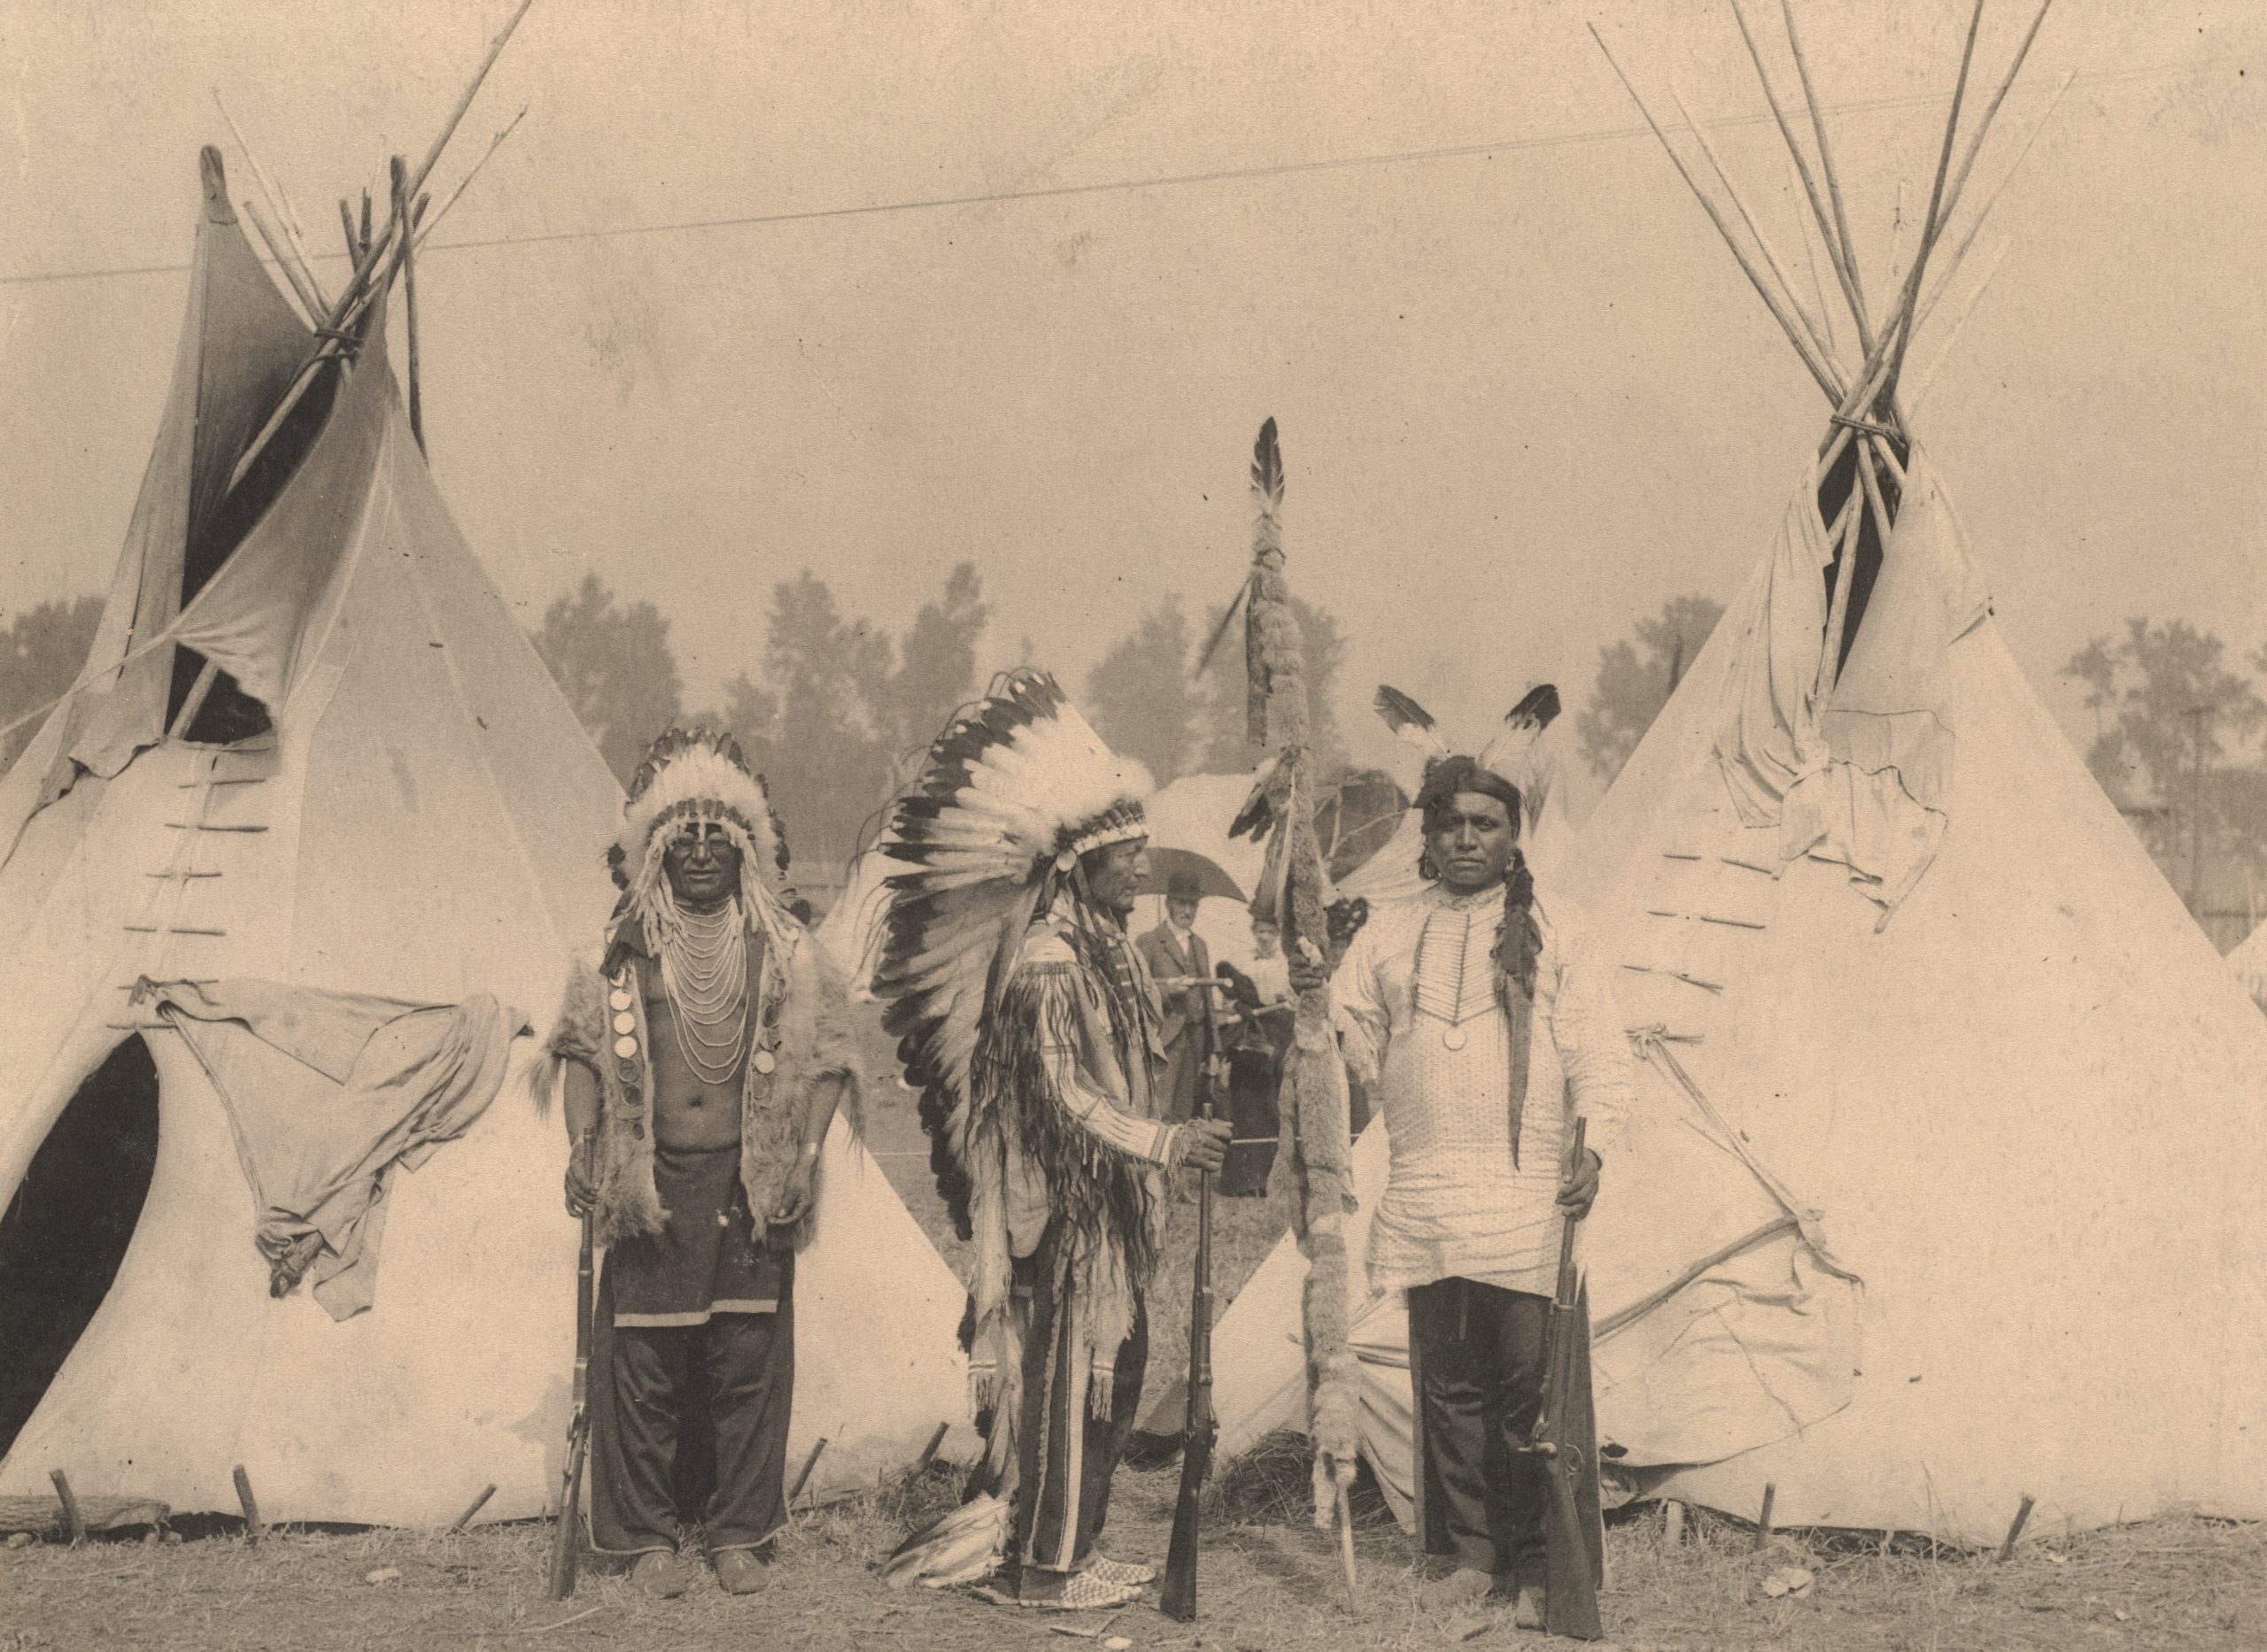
(704, 973)
(1437, 993)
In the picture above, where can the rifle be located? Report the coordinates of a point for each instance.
(1573, 1544)
(567, 1535)
(1177, 1599)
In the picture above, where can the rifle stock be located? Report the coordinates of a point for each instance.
(1570, 1560)
(1176, 1597)
(567, 1534)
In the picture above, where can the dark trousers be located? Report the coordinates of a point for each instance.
(745, 1366)
(1254, 1075)
(1476, 1359)
(1067, 1455)
(1184, 1074)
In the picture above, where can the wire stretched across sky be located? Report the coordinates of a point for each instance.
(1231, 174)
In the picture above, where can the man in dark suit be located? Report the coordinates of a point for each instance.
(1180, 961)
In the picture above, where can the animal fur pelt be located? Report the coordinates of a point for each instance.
(815, 1043)
(1312, 1167)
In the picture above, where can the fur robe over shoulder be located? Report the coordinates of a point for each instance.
(803, 1019)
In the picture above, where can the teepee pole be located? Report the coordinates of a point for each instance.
(1927, 376)
(361, 282)
(1794, 303)
(1833, 183)
(1899, 330)
(1831, 644)
(1877, 378)
(409, 294)
(425, 229)
(1845, 272)
(1826, 383)
(1991, 111)
(280, 205)
(360, 286)
(1810, 263)
(310, 298)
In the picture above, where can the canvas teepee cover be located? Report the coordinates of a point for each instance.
(1914, 1197)
(1940, 1188)
(422, 822)
(2249, 962)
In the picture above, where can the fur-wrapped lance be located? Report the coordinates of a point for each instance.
(1313, 1169)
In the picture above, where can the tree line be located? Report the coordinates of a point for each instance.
(836, 712)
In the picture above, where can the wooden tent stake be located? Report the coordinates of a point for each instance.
(809, 1464)
(1763, 1520)
(2015, 1531)
(255, 1528)
(474, 1508)
(1672, 1522)
(74, 1524)
(929, 1452)
(409, 294)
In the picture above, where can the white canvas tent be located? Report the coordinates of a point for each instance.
(2249, 962)
(1947, 1193)
(422, 820)
(1941, 1185)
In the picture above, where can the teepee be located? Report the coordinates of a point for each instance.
(1941, 1191)
(2249, 962)
(314, 751)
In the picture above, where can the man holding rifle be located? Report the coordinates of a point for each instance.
(1481, 1018)
(704, 1058)
(1031, 1024)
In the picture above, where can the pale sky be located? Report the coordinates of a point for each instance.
(1524, 394)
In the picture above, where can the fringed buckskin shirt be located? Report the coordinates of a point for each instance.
(1421, 1019)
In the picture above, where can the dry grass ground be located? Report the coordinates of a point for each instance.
(2184, 1584)
(1269, 1580)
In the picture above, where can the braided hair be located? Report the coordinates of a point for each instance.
(1519, 940)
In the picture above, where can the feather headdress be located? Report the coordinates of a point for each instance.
(1012, 793)
(1516, 752)
(697, 776)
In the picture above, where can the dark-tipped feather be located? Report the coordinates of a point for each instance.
(1399, 711)
(1267, 466)
(1538, 706)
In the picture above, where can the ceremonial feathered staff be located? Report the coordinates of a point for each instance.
(1313, 1161)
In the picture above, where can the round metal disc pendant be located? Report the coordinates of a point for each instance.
(618, 999)
(625, 1047)
(1453, 1038)
(626, 1022)
(764, 1061)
